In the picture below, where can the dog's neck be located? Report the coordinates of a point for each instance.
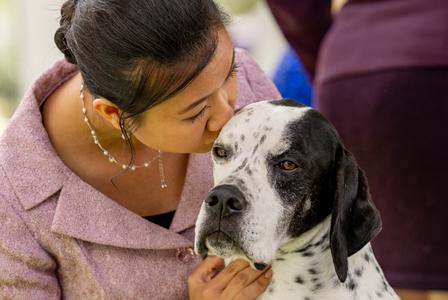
(304, 267)
(316, 237)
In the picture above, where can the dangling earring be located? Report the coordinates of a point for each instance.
(111, 158)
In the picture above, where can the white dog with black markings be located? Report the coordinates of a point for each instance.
(288, 194)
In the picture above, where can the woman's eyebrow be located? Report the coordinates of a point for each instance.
(197, 102)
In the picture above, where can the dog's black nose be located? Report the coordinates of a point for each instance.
(226, 198)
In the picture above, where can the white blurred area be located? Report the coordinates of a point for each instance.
(27, 47)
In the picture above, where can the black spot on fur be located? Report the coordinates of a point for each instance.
(318, 243)
(377, 268)
(308, 254)
(317, 287)
(282, 252)
(301, 250)
(358, 272)
(367, 257)
(351, 285)
(262, 139)
(248, 170)
(280, 259)
(242, 137)
(243, 164)
(255, 149)
(299, 280)
(240, 184)
(312, 271)
(321, 241)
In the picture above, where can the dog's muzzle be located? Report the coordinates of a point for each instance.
(219, 231)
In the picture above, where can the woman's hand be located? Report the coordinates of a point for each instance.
(238, 281)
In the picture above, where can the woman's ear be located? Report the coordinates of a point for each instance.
(108, 111)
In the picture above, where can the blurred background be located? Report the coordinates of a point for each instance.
(27, 47)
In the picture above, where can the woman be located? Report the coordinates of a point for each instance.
(381, 76)
(105, 141)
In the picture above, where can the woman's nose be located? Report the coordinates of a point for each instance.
(223, 110)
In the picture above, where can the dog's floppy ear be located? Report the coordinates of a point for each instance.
(355, 221)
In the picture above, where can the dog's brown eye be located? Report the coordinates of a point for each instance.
(288, 165)
(220, 152)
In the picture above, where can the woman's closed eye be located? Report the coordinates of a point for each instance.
(233, 71)
(199, 115)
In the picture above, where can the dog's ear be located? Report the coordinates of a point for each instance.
(355, 221)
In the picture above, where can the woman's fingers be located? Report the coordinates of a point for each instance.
(211, 281)
(256, 288)
(247, 283)
(221, 280)
(207, 269)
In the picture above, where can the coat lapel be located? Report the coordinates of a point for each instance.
(86, 214)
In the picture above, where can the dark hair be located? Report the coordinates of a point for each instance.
(138, 53)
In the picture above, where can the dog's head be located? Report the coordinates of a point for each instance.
(279, 170)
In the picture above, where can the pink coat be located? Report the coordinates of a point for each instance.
(61, 238)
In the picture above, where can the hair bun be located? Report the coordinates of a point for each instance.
(67, 13)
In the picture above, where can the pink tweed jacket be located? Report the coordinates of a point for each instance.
(61, 238)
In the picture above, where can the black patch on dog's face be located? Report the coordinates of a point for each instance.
(287, 102)
(313, 144)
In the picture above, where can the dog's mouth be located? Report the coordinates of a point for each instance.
(220, 244)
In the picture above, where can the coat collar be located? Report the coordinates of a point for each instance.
(32, 166)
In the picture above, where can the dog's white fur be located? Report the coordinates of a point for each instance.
(291, 267)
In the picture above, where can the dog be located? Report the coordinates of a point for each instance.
(290, 195)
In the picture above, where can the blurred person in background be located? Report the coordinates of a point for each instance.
(380, 72)
(291, 78)
(104, 164)
(254, 29)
